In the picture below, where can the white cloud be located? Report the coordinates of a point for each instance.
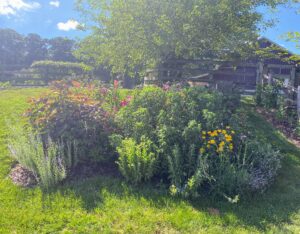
(54, 3)
(69, 25)
(11, 7)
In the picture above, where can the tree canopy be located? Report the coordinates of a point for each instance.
(133, 35)
(18, 51)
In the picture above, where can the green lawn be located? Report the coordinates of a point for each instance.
(108, 205)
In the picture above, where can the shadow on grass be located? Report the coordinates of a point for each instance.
(272, 208)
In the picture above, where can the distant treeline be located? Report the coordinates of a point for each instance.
(20, 51)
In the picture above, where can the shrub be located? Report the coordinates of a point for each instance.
(262, 163)
(243, 166)
(49, 162)
(137, 160)
(72, 113)
(140, 117)
(58, 70)
(173, 120)
(5, 85)
(210, 164)
(258, 94)
(270, 95)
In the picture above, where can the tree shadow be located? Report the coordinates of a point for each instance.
(260, 211)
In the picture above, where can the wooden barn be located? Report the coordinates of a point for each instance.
(244, 74)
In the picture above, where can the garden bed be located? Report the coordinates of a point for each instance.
(288, 131)
(107, 204)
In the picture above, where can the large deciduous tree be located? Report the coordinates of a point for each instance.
(11, 49)
(61, 49)
(131, 35)
(18, 51)
(35, 48)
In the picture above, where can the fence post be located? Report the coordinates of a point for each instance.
(298, 101)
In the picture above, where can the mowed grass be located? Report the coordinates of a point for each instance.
(108, 205)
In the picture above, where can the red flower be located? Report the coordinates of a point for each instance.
(76, 84)
(116, 84)
(124, 103)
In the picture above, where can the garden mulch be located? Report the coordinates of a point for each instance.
(22, 176)
(283, 127)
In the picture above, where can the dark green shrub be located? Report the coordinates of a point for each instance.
(258, 94)
(270, 95)
(140, 117)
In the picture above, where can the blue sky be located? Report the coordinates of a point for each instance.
(51, 18)
(40, 16)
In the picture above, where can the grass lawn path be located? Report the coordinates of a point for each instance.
(108, 205)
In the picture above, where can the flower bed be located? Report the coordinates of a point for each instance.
(187, 138)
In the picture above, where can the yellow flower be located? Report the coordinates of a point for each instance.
(224, 132)
(212, 142)
(228, 138)
(222, 143)
(203, 132)
(215, 133)
(202, 150)
(209, 132)
(203, 137)
(231, 147)
(233, 132)
(219, 130)
(208, 146)
(220, 149)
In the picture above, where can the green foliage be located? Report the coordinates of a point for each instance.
(78, 204)
(258, 94)
(20, 51)
(192, 158)
(137, 160)
(129, 34)
(58, 70)
(5, 85)
(270, 96)
(263, 164)
(140, 117)
(248, 166)
(49, 162)
(72, 112)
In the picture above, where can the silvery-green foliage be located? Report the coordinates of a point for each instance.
(49, 161)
